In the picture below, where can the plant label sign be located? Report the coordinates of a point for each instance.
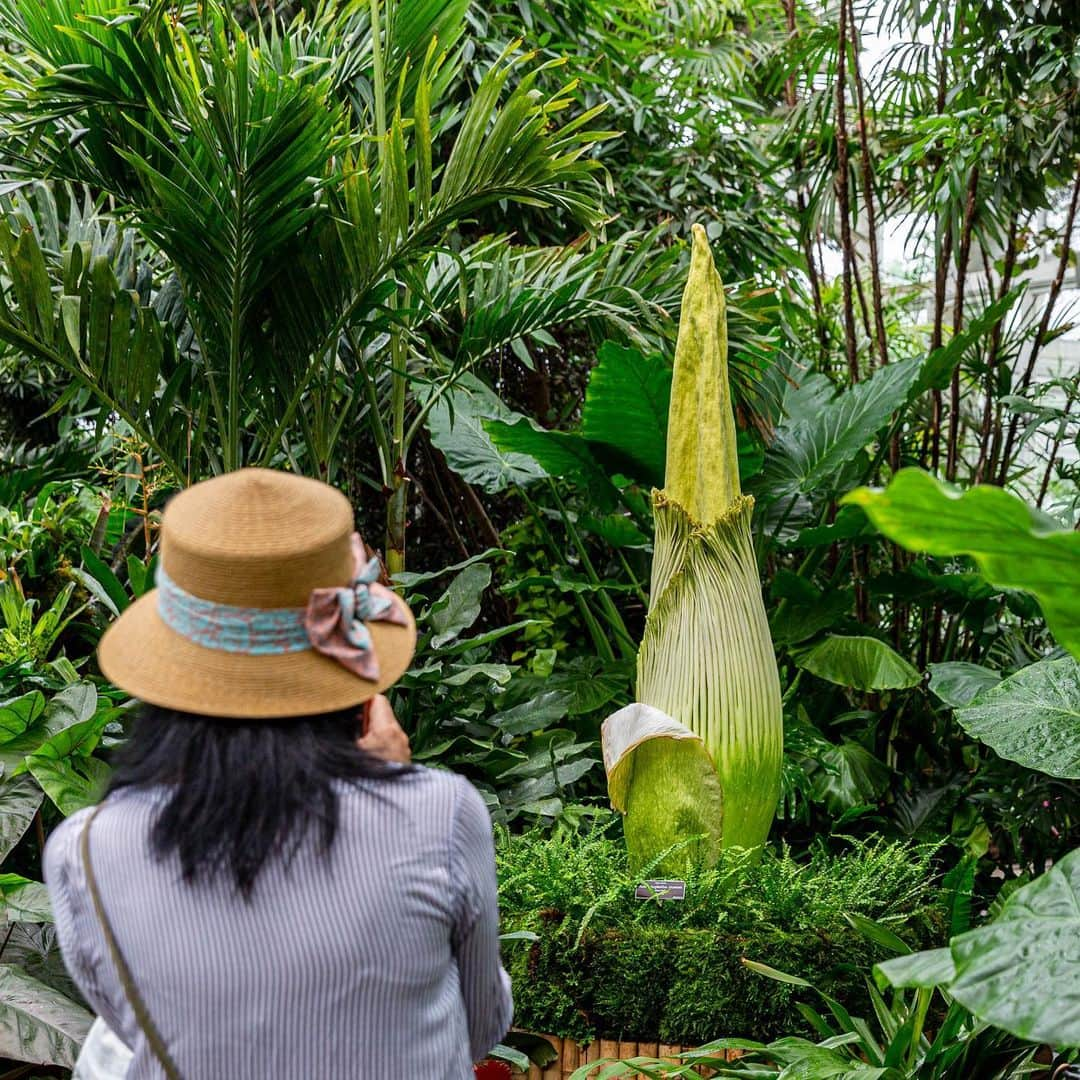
(661, 890)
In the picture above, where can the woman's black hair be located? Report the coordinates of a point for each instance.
(238, 793)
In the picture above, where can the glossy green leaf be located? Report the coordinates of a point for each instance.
(20, 798)
(457, 609)
(109, 583)
(625, 414)
(65, 769)
(24, 900)
(38, 1024)
(17, 714)
(1019, 972)
(456, 427)
(558, 453)
(923, 970)
(1033, 717)
(863, 663)
(957, 682)
(1013, 545)
(828, 429)
(541, 712)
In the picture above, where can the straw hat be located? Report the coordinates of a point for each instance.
(241, 550)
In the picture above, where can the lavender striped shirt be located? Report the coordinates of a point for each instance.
(377, 961)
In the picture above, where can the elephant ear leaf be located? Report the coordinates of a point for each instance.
(1013, 545)
(1019, 971)
(1032, 718)
(660, 773)
(626, 412)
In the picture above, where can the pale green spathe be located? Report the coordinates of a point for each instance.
(706, 659)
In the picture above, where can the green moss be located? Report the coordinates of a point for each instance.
(681, 986)
(609, 966)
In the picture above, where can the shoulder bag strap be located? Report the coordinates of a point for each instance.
(131, 991)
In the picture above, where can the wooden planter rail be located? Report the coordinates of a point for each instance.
(572, 1056)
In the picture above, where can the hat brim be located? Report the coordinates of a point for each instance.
(153, 663)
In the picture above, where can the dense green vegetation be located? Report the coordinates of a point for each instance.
(433, 252)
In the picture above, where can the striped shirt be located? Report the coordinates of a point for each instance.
(376, 961)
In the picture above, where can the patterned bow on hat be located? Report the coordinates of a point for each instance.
(335, 618)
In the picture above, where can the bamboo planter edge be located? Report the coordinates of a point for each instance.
(571, 1055)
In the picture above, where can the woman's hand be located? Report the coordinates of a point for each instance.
(383, 736)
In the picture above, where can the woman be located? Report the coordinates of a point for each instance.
(266, 892)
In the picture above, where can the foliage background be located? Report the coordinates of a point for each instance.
(398, 247)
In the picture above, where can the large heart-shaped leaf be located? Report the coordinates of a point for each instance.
(456, 427)
(38, 1023)
(1013, 545)
(65, 769)
(957, 682)
(1020, 971)
(825, 430)
(20, 798)
(1033, 717)
(458, 607)
(558, 453)
(73, 705)
(626, 412)
(24, 900)
(863, 663)
(20, 713)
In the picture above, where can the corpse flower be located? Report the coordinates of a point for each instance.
(697, 758)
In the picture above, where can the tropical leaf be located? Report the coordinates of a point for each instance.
(957, 682)
(24, 900)
(459, 605)
(626, 412)
(558, 453)
(38, 1024)
(456, 427)
(825, 430)
(1014, 546)
(1019, 971)
(20, 799)
(863, 663)
(1033, 717)
(917, 970)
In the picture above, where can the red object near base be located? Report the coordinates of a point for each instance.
(492, 1070)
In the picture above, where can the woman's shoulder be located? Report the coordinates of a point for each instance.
(111, 818)
(447, 795)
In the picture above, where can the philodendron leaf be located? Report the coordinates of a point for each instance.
(625, 415)
(24, 900)
(1032, 718)
(825, 430)
(917, 970)
(37, 1023)
(661, 777)
(20, 798)
(1020, 971)
(558, 453)
(863, 663)
(957, 682)
(1014, 546)
(458, 607)
(456, 427)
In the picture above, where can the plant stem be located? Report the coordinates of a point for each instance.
(1044, 324)
(842, 200)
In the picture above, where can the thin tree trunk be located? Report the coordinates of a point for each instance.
(842, 196)
(791, 96)
(1044, 324)
(994, 353)
(952, 459)
(941, 278)
(1045, 485)
(879, 339)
